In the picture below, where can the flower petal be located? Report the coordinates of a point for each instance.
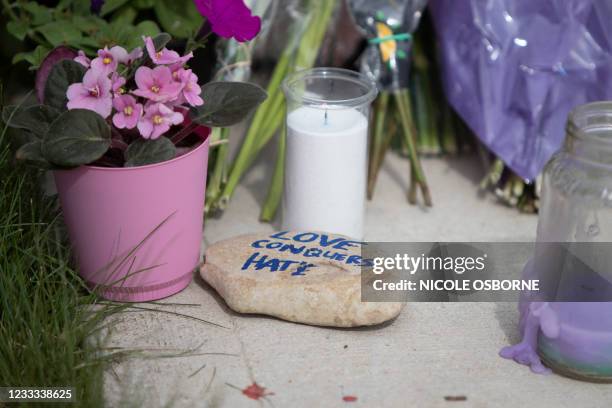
(119, 54)
(119, 120)
(145, 127)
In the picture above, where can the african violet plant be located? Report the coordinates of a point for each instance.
(123, 108)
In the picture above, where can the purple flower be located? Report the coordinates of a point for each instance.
(94, 93)
(157, 120)
(108, 60)
(117, 82)
(82, 59)
(96, 6)
(165, 56)
(230, 18)
(156, 84)
(191, 90)
(128, 112)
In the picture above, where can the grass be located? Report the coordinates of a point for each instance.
(46, 316)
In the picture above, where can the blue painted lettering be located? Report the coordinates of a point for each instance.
(260, 243)
(313, 252)
(305, 237)
(280, 235)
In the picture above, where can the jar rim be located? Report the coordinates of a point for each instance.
(347, 75)
(589, 116)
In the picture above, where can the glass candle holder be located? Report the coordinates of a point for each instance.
(575, 338)
(327, 124)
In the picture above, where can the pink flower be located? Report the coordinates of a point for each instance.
(176, 70)
(165, 56)
(82, 59)
(191, 89)
(157, 120)
(108, 60)
(117, 84)
(230, 18)
(134, 55)
(128, 112)
(94, 93)
(156, 84)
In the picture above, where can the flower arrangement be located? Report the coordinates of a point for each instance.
(123, 108)
(310, 20)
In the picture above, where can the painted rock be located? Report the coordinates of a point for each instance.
(304, 277)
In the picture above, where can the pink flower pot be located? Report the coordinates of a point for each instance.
(136, 231)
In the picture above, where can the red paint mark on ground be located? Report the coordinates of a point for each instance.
(349, 398)
(255, 391)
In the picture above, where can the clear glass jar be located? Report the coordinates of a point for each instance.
(576, 208)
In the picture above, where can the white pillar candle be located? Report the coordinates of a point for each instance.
(325, 171)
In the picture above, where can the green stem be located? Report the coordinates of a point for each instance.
(376, 154)
(276, 188)
(213, 190)
(403, 102)
(249, 149)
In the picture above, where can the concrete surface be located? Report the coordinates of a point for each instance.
(431, 351)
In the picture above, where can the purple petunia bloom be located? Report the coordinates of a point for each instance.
(96, 6)
(230, 18)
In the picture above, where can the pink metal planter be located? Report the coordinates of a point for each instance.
(136, 231)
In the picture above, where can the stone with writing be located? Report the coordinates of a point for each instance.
(304, 277)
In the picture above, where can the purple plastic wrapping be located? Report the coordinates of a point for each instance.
(513, 70)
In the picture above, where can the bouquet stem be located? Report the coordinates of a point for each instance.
(402, 98)
(216, 179)
(377, 148)
(269, 117)
(276, 188)
(252, 141)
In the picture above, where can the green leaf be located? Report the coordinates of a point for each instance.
(62, 75)
(143, 4)
(160, 40)
(36, 118)
(18, 29)
(227, 103)
(76, 137)
(34, 58)
(32, 152)
(88, 24)
(60, 32)
(125, 15)
(142, 152)
(82, 7)
(178, 17)
(111, 5)
(39, 14)
(147, 28)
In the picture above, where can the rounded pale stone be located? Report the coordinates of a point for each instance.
(305, 277)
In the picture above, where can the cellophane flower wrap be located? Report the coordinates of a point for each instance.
(514, 69)
(389, 26)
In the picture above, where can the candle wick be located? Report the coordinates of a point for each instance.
(325, 120)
